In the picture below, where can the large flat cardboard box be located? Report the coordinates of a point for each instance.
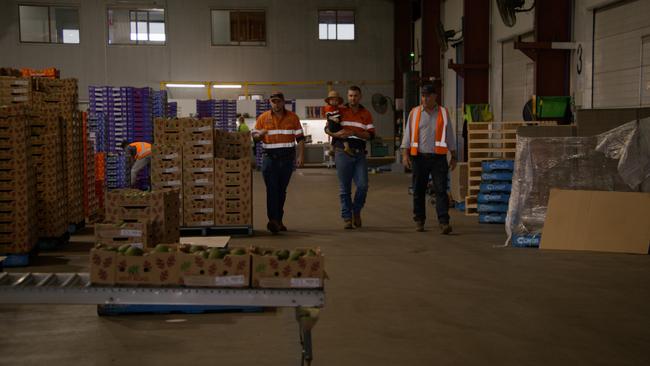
(597, 221)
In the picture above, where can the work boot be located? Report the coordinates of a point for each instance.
(445, 229)
(356, 220)
(282, 227)
(347, 224)
(273, 226)
(419, 226)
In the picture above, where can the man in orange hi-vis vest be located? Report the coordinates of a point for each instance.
(140, 153)
(428, 139)
(280, 133)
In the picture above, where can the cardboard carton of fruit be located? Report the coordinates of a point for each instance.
(204, 266)
(284, 268)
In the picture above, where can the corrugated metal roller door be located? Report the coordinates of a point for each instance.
(518, 80)
(622, 55)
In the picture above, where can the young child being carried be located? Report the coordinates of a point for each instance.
(333, 115)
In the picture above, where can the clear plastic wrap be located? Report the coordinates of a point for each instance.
(616, 160)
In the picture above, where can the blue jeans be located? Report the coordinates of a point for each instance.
(277, 173)
(349, 168)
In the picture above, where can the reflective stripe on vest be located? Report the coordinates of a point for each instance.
(143, 149)
(441, 131)
(279, 138)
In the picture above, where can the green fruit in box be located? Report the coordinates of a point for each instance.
(199, 253)
(296, 254)
(282, 254)
(222, 253)
(196, 248)
(99, 246)
(110, 248)
(206, 254)
(311, 253)
(123, 248)
(238, 251)
(185, 248)
(268, 252)
(161, 248)
(214, 253)
(134, 252)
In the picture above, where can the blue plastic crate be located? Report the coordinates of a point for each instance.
(526, 240)
(492, 208)
(493, 197)
(496, 165)
(492, 218)
(497, 176)
(496, 187)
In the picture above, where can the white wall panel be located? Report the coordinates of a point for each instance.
(518, 80)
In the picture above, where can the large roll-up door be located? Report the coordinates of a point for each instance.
(518, 78)
(622, 55)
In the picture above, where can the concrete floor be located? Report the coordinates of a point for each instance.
(395, 297)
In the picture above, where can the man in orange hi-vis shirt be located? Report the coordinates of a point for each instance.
(283, 141)
(428, 138)
(140, 153)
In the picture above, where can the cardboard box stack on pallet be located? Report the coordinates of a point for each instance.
(233, 183)
(47, 142)
(489, 141)
(17, 182)
(15, 90)
(167, 157)
(91, 205)
(198, 172)
(159, 209)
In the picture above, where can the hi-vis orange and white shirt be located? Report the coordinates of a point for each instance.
(426, 134)
(283, 132)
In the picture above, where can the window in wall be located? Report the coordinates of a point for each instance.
(136, 26)
(337, 25)
(49, 24)
(238, 27)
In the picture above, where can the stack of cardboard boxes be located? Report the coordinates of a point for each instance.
(47, 143)
(233, 183)
(198, 172)
(157, 211)
(167, 157)
(14, 90)
(17, 182)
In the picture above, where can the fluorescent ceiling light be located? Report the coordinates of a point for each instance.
(226, 86)
(185, 85)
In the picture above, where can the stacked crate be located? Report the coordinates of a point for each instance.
(206, 108)
(167, 157)
(14, 90)
(116, 170)
(158, 209)
(47, 150)
(225, 115)
(261, 106)
(100, 180)
(141, 114)
(198, 172)
(17, 183)
(494, 191)
(233, 181)
(159, 107)
(172, 109)
(117, 120)
(64, 93)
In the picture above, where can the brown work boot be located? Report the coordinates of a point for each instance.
(419, 226)
(273, 226)
(356, 220)
(282, 227)
(347, 224)
(445, 229)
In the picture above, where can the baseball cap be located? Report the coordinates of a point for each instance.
(428, 89)
(276, 95)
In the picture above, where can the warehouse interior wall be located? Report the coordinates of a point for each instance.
(293, 51)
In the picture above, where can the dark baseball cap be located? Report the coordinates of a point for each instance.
(276, 95)
(428, 89)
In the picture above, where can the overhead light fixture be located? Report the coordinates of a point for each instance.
(226, 86)
(172, 85)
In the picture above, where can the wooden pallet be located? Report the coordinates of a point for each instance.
(490, 141)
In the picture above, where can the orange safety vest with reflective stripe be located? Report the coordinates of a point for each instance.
(441, 131)
(143, 149)
(281, 133)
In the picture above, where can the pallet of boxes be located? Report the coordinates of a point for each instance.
(167, 158)
(233, 179)
(198, 172)
(17, 183)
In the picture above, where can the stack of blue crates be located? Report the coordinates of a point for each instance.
(117, 119)
(261, 106)
(141, 107)
(225, 116)
(206, 108)
(494, 194)
(160, 104)
(116, 174)
(172, 110)
(97, 128)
